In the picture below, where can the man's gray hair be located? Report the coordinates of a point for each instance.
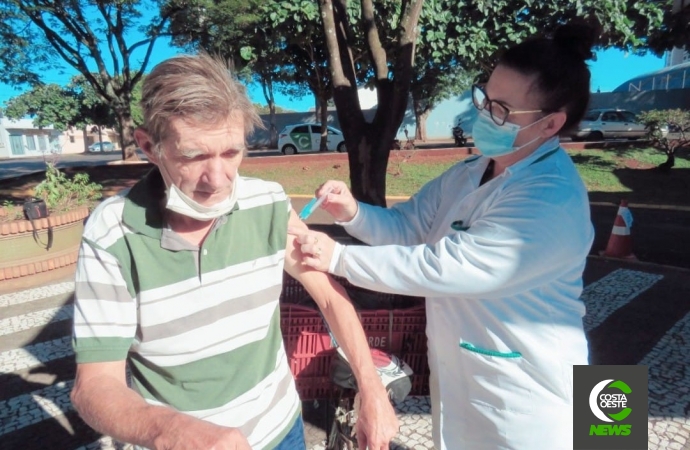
(198, 88)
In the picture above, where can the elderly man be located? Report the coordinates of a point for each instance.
(179, 279)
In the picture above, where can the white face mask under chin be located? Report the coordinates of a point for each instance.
(179, 202)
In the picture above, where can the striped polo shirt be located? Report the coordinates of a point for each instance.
(199, 325)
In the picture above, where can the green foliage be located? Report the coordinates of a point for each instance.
(62, 193)
(137, 113)
(75, 105)
(49, 104)
(108, 42)
(264, 109)
(667, 129)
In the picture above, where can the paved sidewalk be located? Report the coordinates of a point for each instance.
(637, 314)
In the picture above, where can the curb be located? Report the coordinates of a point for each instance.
(638, 263)
(645, 206)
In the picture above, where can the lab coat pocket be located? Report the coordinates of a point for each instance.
(498, 379)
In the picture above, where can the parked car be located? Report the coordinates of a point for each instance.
(600, 124)
(104, 146)
(306, 137)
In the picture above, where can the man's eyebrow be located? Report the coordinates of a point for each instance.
(189, 152)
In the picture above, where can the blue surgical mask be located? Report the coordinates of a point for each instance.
(497, 140)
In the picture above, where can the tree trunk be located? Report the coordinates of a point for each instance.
(267, 88)
(272, 126)
(420, 119)
(369, 144)
(670, 160)
(323, 117)
(125, 125)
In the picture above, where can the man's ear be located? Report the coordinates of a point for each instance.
(146, 145)
(553, 124)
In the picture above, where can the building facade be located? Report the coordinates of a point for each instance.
(21, 139)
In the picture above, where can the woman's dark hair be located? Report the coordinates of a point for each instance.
(562, 77)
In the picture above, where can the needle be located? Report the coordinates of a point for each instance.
(314, 203)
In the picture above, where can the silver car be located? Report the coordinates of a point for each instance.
(600, 124)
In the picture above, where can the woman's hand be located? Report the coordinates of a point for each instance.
(339, 202)
(316, 248)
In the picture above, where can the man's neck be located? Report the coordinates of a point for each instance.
(191, 230)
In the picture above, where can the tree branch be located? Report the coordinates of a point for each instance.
(335, 63)
(374, 47)
(110, 34)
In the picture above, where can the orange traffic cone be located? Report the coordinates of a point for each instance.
(620, 242)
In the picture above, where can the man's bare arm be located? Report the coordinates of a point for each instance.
(104, 401)
(377, 419)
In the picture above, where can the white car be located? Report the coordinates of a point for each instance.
(600, 124)
(105, 146)
(306, 137)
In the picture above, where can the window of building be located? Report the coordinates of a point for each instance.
(31, 143)
(43, 143)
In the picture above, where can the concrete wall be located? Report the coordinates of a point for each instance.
(642, 101)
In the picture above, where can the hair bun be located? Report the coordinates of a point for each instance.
(577, 38)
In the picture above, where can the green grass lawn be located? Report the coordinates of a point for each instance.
(609, 174)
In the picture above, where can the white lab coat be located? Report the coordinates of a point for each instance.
(501, 268)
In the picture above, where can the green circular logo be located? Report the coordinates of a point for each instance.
(597, 400)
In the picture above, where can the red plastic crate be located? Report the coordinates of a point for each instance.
(310, 348)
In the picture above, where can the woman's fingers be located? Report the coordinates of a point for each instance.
(316, 248)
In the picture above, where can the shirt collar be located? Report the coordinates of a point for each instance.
(144, 205)
(143, 210)
(545, 150)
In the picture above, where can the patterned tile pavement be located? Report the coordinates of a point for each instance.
(637, 314)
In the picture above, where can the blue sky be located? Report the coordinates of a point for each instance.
(611, 68)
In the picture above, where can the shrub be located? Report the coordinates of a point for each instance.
(62, 193)
(667, 130)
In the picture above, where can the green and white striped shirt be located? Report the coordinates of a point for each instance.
(199, 326)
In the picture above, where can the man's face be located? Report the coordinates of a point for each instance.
(202, 161)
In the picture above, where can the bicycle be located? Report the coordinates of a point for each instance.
(396, 376)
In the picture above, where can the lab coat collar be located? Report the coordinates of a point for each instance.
(543, 151)
(477, 165)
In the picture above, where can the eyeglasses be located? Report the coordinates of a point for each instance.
(499, 112)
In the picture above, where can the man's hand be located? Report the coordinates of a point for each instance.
(376, 424)
(104, 401)
(187, 432)
(339, 201)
